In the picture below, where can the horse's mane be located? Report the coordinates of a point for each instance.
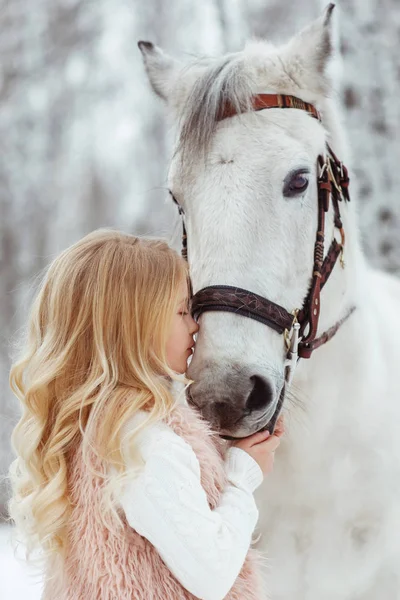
(222, 80)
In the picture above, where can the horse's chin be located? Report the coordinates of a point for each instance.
(269, 426)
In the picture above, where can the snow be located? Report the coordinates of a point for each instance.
(18, 581)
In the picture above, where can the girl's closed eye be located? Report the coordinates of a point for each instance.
(184, 310)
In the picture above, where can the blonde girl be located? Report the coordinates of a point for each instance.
(125, 491)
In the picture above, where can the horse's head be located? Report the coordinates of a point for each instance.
(248, 188)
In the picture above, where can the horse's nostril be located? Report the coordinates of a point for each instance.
(261, 395)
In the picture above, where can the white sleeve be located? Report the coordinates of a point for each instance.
(204, 549)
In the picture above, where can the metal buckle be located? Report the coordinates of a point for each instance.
(292, 340)
(323, 169)
(333, 179)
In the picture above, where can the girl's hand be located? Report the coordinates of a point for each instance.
(261, 446)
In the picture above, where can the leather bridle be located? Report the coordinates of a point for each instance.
(299, 327)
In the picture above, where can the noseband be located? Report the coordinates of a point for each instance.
(299, 327)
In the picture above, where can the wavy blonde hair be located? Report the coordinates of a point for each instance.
(95, 354)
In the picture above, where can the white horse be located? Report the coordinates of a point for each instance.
(330, 513)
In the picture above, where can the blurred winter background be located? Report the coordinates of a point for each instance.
(85, 144)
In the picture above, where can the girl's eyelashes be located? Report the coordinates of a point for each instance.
(184, 311)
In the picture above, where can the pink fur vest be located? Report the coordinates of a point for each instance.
(101, 566)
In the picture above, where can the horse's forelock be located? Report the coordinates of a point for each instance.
(224, 81)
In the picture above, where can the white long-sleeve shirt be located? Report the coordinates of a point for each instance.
(164, 502)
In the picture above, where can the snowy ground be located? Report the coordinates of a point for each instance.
(17, 581)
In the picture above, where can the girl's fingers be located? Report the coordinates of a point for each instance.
(257, 438)
(262, 436)
(272, 443)
(252, 440)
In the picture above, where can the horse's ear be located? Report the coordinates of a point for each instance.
(311, 49)
(161, 69)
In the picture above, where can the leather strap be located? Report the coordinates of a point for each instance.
(263, 101)
(228, 298)
(305, 350)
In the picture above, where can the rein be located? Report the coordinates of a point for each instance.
(299, 327)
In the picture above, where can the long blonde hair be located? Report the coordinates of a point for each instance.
(94, 355)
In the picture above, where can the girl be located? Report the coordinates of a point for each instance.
(127, 493)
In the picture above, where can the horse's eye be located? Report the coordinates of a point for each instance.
(295, 184)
